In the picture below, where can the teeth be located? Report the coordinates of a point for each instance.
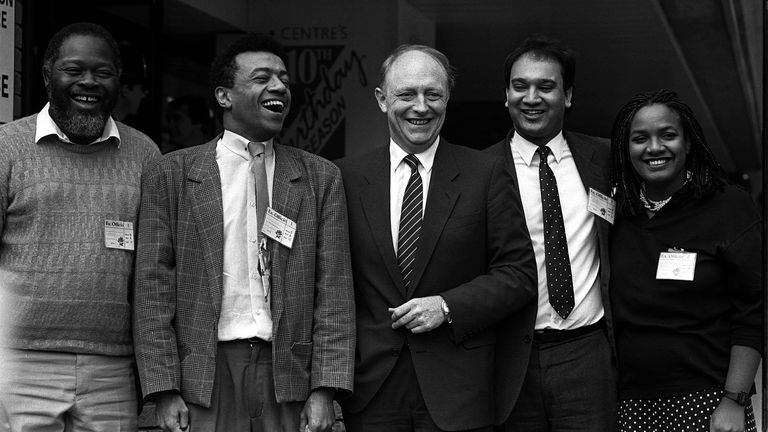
(274, 105)
(89, 99)
(418, 122)
(657, 162)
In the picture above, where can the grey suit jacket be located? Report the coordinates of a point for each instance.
(592, 157)
(178, 284)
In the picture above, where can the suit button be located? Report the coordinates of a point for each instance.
(395, 352)
(527, 339)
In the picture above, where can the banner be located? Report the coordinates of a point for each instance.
(317, 122)
(7, 41)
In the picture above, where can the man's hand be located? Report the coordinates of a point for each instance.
(171, 412)
(728, 417)
(419, 315)
(318, 414)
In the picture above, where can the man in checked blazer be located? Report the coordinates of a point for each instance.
(430, 322)
(225, 340)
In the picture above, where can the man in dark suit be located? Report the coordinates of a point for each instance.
(563, 183)
(440, 256)
(239, 327)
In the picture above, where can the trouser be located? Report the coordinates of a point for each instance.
(49, 391)
(243, 397)
(570, 385)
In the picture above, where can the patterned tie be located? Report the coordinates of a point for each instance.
(410, 222)
(259, 170)
(559, 278)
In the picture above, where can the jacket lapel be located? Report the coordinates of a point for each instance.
(287, 195)
(375, 202)
(583, 154)
(441, 199)
(205, 184)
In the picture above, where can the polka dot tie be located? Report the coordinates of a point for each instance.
(410, 222)
(559, 277)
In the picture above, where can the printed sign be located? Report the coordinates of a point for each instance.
(7, 42)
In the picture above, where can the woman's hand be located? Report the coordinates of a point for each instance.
(728, 417)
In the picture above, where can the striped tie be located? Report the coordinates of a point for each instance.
(410, 222)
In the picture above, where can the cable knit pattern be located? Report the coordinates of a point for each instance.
(70, 292)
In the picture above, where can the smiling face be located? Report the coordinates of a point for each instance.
(536, 98)
(82, 86)
(258, 102)
(414, 97)
(658, 149)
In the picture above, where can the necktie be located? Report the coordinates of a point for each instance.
(258, 167)
(559, 277)
(410, 222)
(259, 170)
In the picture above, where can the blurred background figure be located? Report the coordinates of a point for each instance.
(188, 122)
(133, 86)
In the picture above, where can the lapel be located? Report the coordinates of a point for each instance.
(375, 202)
(287, 195)
(509, 160)
(204, 183)
(583, 154)
(441, 199)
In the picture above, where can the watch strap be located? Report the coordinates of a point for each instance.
(446, 311)
(741, 398)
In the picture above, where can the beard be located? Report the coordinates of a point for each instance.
(76, 124)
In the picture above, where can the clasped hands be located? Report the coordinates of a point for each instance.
(419, 315)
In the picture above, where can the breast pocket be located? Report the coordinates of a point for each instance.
(464, 220)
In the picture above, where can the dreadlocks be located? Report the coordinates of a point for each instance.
(706, 172)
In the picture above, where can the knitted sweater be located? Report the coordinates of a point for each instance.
(70, 292)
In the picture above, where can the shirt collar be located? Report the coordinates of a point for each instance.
(527, 149)
(426, 158)
(45, 126)
(238, 145)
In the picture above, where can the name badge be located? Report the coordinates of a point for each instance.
(676, 265)
(279, 228)
(602, 205)
(118, 234)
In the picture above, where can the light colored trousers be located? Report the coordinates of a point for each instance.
(48, 391)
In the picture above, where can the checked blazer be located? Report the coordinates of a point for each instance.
(475, 253)
(178, 284)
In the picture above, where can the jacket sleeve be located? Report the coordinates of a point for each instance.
(333, 334)
(155, 286)
(510, 282)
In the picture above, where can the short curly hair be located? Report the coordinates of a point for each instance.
(53, 50)
(223, 68)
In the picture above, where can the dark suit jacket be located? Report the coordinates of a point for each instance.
(179, 276)
(475, 253)
(592, 157)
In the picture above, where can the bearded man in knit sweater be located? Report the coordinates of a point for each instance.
(69, 196)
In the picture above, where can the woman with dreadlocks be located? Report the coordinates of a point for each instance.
(685, 276)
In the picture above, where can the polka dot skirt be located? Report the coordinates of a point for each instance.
(688, 413)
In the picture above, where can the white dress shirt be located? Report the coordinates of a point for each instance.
(399, 174)
(45, 126)
(244, 306)
(580, 230)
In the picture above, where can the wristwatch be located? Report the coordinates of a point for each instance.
(741, 398)
(446, 311)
